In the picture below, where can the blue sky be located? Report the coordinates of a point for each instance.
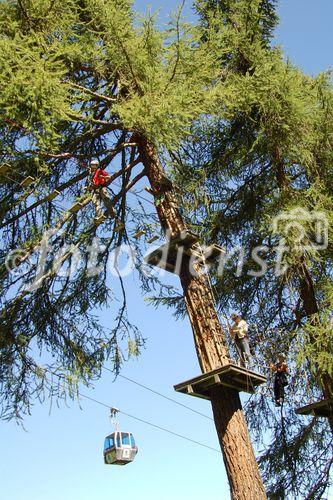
(59, 456)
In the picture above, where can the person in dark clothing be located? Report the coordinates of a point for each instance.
(280, 380)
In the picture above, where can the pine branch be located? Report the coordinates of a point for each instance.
(173, 74)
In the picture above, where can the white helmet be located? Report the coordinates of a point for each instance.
(94, 162)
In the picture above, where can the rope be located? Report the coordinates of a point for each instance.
(161, 395)
(210, 286)
(249, 384)
(151, 424)
(136, 194)
(134, 417)
(147, 388)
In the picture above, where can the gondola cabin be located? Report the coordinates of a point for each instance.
(119, 448)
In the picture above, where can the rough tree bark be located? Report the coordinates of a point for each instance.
(239, 459)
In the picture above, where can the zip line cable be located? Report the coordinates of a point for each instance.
(136, 194)
(137, 418)
(152, 390)
(151, 424)
(161, 395)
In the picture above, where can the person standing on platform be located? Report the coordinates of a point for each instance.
(239, 333)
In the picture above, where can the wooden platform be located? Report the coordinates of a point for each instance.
(236, 377)
(4, 168)
(27, 181)
(213, 252)
(322, 408)
(99, 220)
(53, 195)
(138, 234)
(152, 239)
(185, 238)
(166, 255)
(185, 244)
(207, 255)
(75, 208)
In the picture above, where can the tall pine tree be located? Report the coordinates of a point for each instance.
(269, 158)
(84, 79)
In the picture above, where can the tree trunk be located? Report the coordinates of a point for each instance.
(242, 469)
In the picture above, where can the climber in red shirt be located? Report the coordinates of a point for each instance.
(99, 181)
(100, 177)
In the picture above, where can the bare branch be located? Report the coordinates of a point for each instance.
(98, 96)
(88, 119)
